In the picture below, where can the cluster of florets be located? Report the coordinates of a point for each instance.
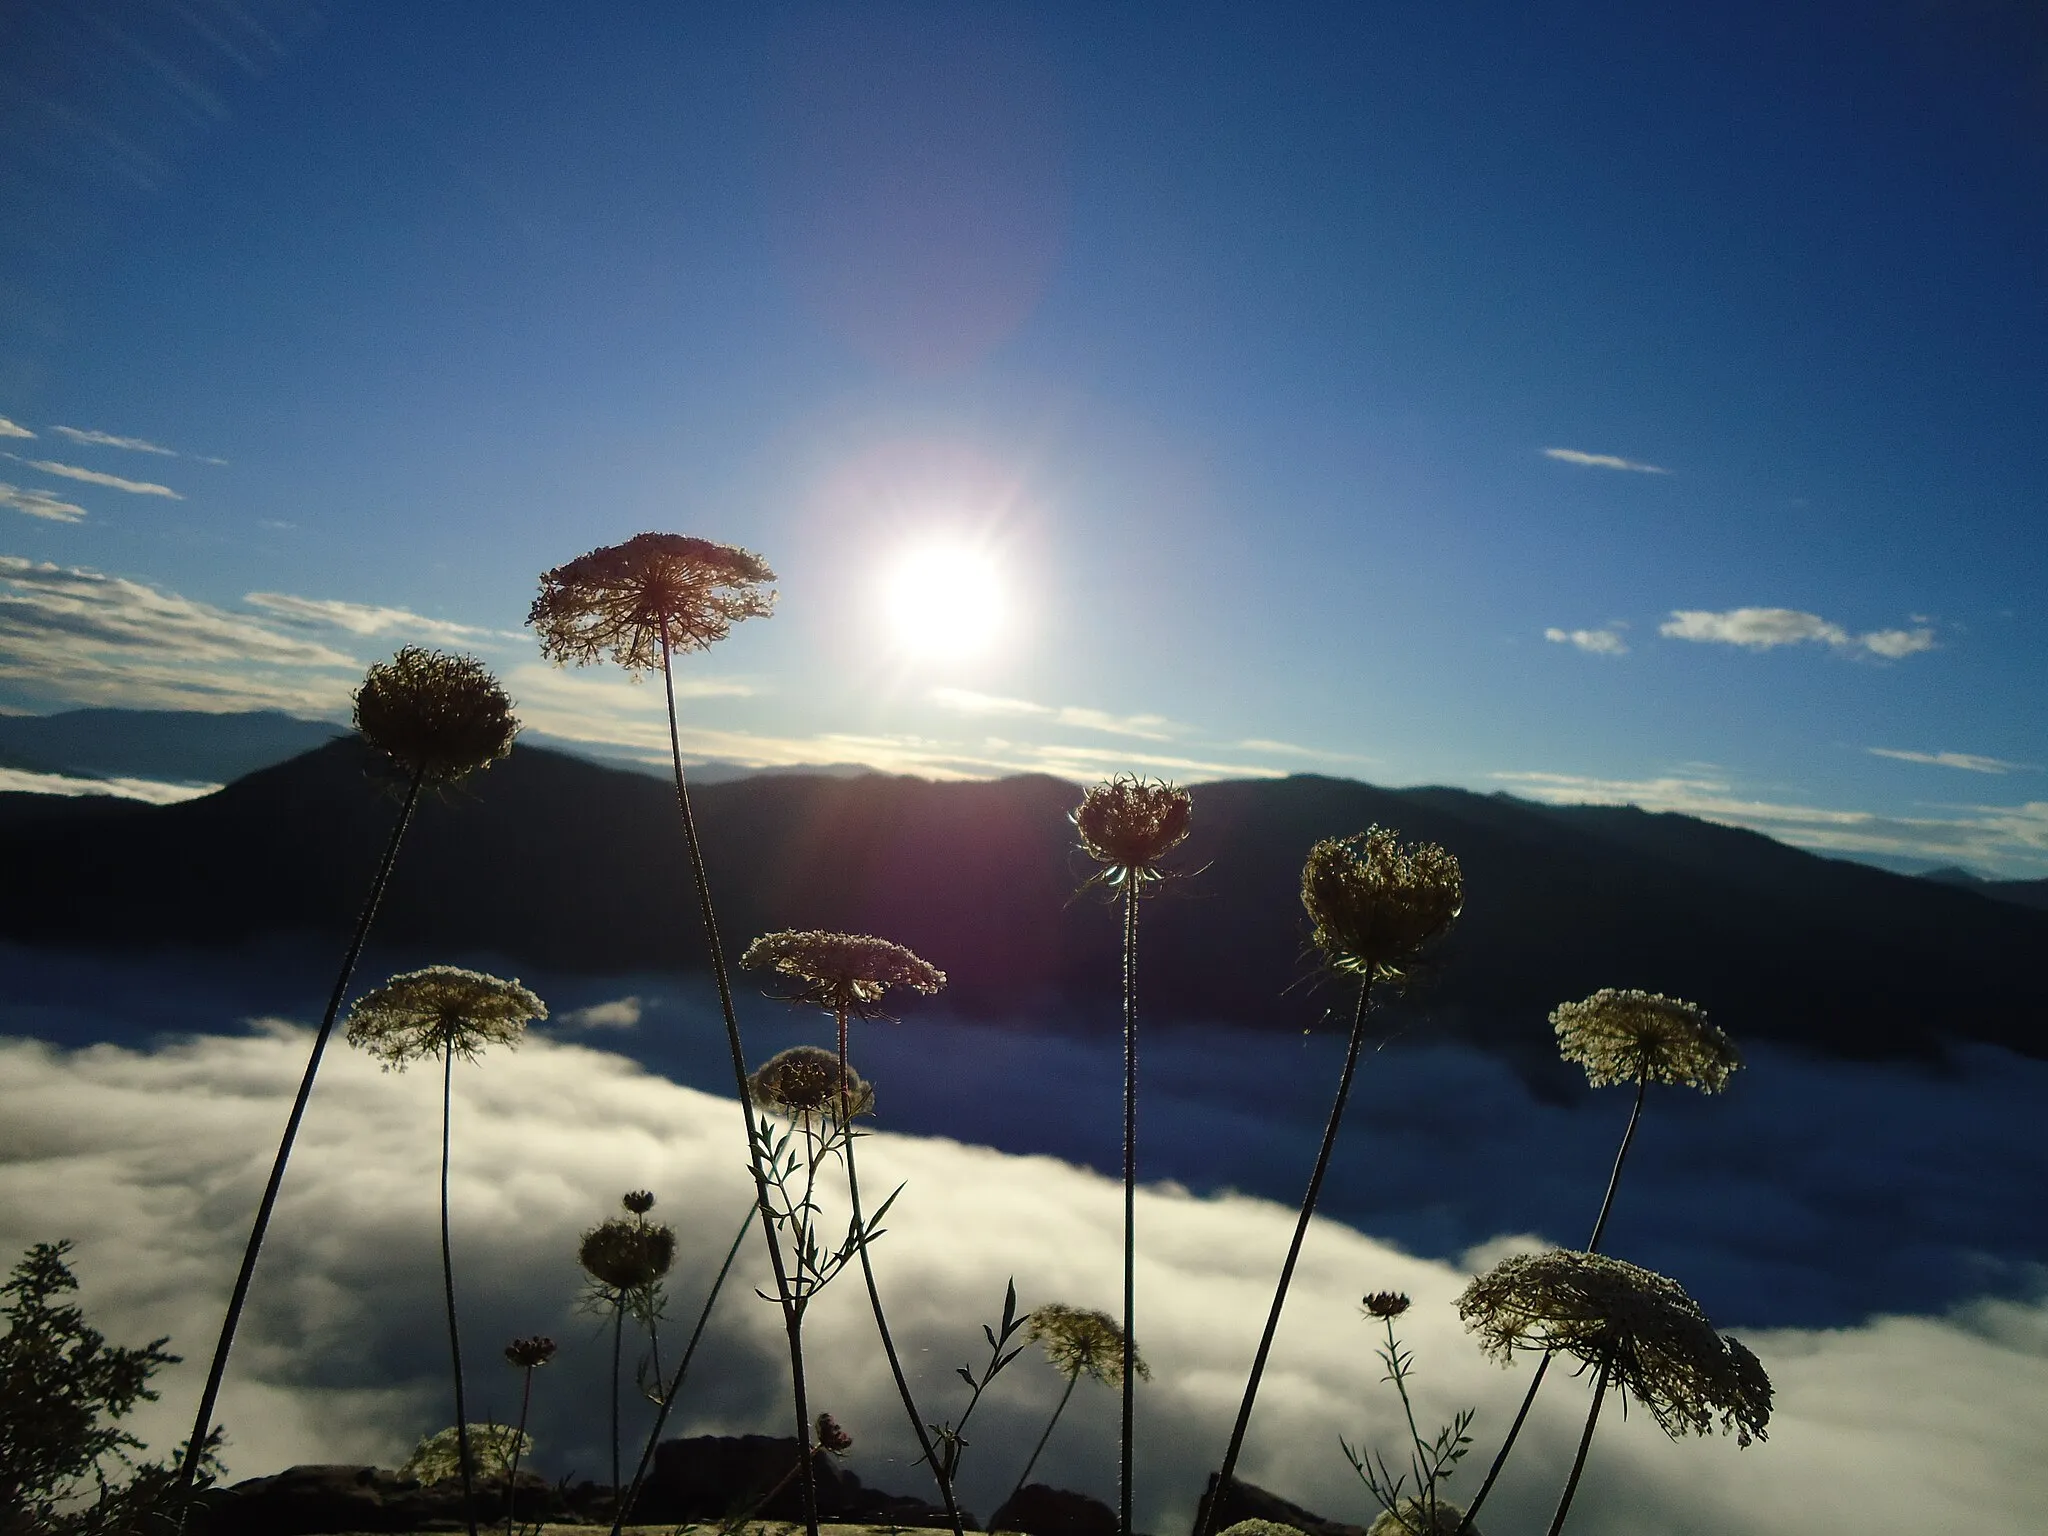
(627, 1256)
(804, 1081)
(1414, 1517)
(841, 972)
(1377, 902)
(436, 715)
(1631, 1037)
(442, 1009)
(1080, 1341)
(530, 1353)
(655, 594)
(492, 1449)
(1128, 824)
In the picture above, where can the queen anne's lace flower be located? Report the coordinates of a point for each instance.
(627, 1255)
(437, 715)
(1261, 1528)
(625, 600)
(1414, 1518)
(804, 1081)
(1642, 1327)
(492, 1448)
(1128, 824)
(1377, 902)
(421, 1014)
(1627, 1037)
(847, 972)
(1080, 1341)
(530, 1353)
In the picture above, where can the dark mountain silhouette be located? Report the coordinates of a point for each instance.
(175, 744)
(2025, 893)
(556, 862)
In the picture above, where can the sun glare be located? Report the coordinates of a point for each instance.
(944, 601)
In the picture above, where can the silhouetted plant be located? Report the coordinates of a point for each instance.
(436, 718)
(1377, 905)
(467, 1451)
(446, 1012)
(525, 1356)
(1636, 1330)
(1079, 1342)
(950, 1438)
(1128, 825)
(1625, 1037)
(638, 603)
(626, 1259)
(847, 975)
(1431, 1462)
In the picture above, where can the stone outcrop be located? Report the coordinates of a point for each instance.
(1039, 1510)
(1248, 1501)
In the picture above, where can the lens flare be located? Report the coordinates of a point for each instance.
(944, 601)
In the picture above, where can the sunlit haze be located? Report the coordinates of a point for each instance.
(945, 602)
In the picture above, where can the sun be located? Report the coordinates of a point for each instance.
(944, 600)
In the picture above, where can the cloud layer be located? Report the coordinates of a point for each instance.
(1969, 762)
(97, 477)
(153, 1161)
(34, 503)
(1763, 629)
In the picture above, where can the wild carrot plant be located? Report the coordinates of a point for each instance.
(627, 1257)
(950, 1438)
(1377, 904)
(1127, 825)
(1080, 1342)
(436, 718)
(447, 1012)
(525, 1356)
(1431, 1462)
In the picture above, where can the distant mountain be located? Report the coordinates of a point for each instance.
(552, 861)
(2025, 893)
(173, 744)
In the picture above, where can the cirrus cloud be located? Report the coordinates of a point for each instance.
(13, 429)
(33, 503)
(1602, 461)
(1763, 629)
(96, 477)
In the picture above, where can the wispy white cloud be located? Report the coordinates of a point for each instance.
(1763, 629)
(363, 618)
(1602, 461)
(2012, 838)
(1970, 762)
(966, 702)
(92, 439)
(95, 477)
(41, 504)
(1291, 749)
(1601, 642)
(13, 429)
(618, 1013)
(16, 781)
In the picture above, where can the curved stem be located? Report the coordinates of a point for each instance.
(1025, 1476)
(867, 1269)
(1130, 1381)
(675, 1386)
(618, 1339)
(448, 1290)
(518, 1449)
(1592, 1246)
(1308, 1209)
(1571, 1486)
(202, 1423)
(791, 1323)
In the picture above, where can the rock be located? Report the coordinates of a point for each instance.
(1248, 1501)
(719, 1477)
(1039, 1510)
(318, 1500)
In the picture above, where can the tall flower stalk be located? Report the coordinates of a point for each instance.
(847, 975)
(638, 603)
(626, 1258)
(436, 718)
(525, 1356)
(1080, 1342)
(1377, 904)
(1638, 1331)
(447, 1012)
(1127, 825)
(1624, 1037)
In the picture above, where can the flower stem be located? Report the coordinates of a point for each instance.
(618, 1340)
(791, 1323)
(867, 1269)
(448, 1290)
(1308, 1209)
(518, 1448)
(1025, 1476)
(202, 1423)
(1571, 1486)
(1542, 1366)
(1130, 1381)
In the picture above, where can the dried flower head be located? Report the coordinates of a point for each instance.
(492, 1448)
(804, 1081)
(421, 1014)
(434, 714)
(627, 1255)
(1411, 1517)
(1652, 1338)
(1079, 1341)
(1378, 902)
(624, 600)
(1261, 1528)
(1384, 1304)
(528, 1354)
(1627, 1037)
(1128, 824)
(838, 972)
(831, 1438)
(638, 1201)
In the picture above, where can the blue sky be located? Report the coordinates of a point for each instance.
(1564, 399)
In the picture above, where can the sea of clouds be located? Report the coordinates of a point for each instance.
(152, 1158)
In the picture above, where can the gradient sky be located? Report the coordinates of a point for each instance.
(1586, 401)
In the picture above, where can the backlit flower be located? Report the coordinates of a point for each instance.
(421, 1014)
(492, 1449)
(437, 715)
(1625, 1037)
(1411, 1517)
(841, 972)
(1378, 902)
(625, 600)
(1128, 824)
(1261, 1528)
(1080, 1341)
(1642, 1327)
(1385, 1304)
(528, 1354)
(804, 1080)
(638, 1201)
(627, 1255)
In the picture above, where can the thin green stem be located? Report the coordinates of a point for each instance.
(618, 1339)
(867, 1269)
(518, 1449)
(1125, 1434)
(790, 1322)
(209, 1397)
(448, 1290)
(1308, 1210)
(1025, 1476)
(1571, 1485)
(1396, 1369)
(1614, 1179)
